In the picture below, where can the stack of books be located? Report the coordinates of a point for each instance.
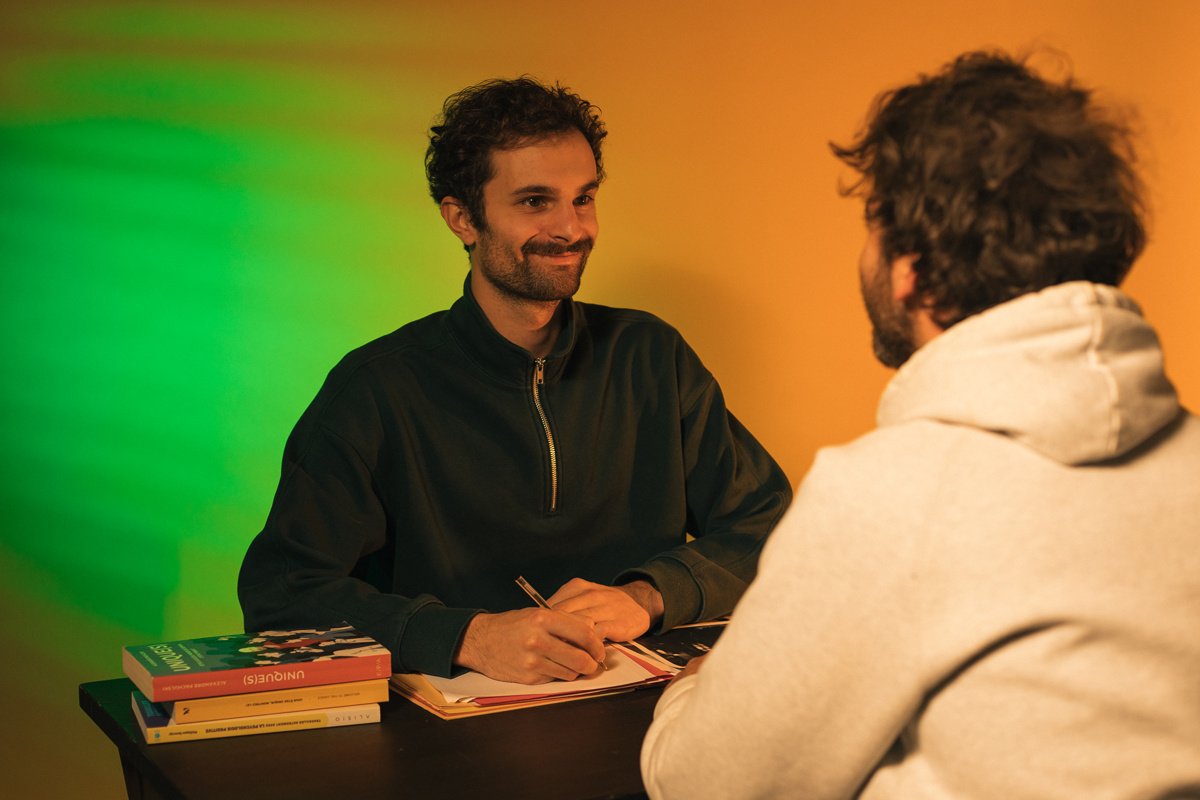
(248, 683)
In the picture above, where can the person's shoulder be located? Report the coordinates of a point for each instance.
(888, 461)
(630, 330)
(384, 360)
(416, 337)
(601, 316)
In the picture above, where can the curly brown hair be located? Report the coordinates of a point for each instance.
(497, 115)
(1002, 183)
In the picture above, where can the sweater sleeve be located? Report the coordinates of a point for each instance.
(301, 569)
(813, 680)
(735, 494)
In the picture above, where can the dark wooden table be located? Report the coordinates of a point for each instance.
(584, 749)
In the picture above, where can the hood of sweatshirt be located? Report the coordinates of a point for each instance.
(1072, 371)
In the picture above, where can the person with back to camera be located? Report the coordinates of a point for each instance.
(995, 594)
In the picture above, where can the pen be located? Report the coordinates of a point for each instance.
(532, 592)
(536, 596)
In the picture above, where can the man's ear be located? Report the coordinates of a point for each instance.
(904, 279)
(458, 220)
(926, 324)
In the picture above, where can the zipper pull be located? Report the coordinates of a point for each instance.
(539, 368)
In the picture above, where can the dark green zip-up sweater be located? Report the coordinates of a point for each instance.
(439, 462)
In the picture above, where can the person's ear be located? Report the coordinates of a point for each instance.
(458, 220)
(904, 279)
(927, 321)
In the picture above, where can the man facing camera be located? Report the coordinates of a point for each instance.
(996, 593)
(519, 433)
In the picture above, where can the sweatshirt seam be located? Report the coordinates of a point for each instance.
(700, 393)
(1113, 432)
(319, 421)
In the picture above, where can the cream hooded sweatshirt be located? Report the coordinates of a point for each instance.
(995, 594)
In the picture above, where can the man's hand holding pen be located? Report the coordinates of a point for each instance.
(531, 645)
(562, 639)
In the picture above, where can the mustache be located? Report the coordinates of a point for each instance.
(583, 246)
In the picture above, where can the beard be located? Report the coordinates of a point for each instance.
(521, 280)
(891, 328)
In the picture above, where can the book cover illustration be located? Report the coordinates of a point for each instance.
(241, 650)
(250, 662)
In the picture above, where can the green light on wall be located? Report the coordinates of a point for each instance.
(191, 243)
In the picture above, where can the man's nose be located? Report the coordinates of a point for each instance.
(565, 224)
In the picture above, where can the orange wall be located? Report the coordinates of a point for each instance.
(722, 213)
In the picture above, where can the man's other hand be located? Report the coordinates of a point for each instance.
(620, 613)
(531, 645)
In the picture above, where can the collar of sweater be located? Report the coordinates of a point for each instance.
(499, 357)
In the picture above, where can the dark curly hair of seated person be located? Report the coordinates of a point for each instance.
(1000, 182)
(499, 115)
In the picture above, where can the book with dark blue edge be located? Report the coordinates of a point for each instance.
(152, 714)
(254, 662)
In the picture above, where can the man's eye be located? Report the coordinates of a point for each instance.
(584, 200)
(534, 202)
